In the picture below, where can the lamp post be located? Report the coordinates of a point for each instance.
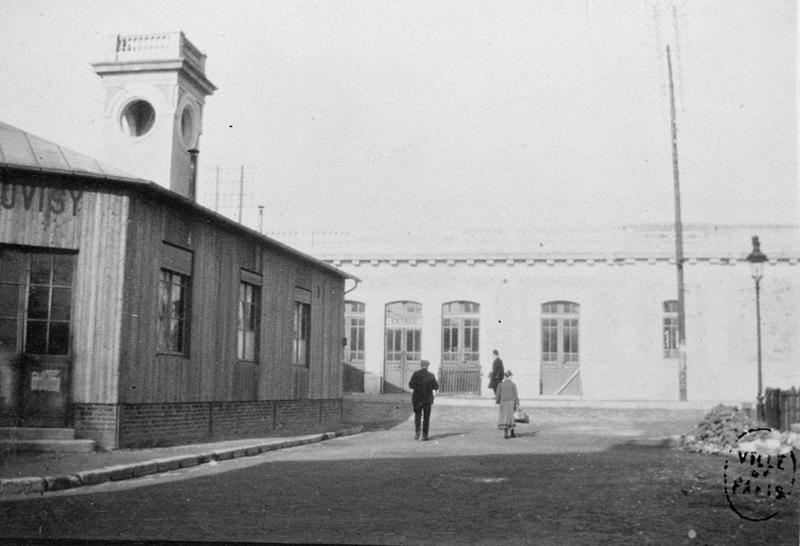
(757, 259)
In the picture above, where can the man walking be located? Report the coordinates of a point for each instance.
(497, 373)
(422, 383)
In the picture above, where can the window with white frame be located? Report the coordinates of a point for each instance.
(560, 331)
(354, 329)
(460, 331)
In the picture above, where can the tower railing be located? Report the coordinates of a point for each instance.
(159, 46)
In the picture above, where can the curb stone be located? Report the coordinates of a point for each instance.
(34, 484)
(22, 485)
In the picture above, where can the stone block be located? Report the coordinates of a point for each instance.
(171, 463)
(15, 486)
(192, 460)
(56, 483)
(145, 469)
(121, 472)
(92, 477)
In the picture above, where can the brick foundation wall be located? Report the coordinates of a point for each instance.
(147, 425)
(297, 413)
(331, 412)
(242, 419)
(96, 422)
(143, 425)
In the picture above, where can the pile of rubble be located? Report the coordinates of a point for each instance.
(722, 430)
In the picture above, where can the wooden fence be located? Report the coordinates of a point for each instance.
(781, 407)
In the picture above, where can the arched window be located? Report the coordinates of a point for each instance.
(560, 372)
(460, 331)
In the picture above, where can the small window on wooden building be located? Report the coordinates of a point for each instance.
(173, 312)
(174, 299)
(301, 336)
(249, 312)
(670, 329)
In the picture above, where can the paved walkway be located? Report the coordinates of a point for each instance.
(25, 473)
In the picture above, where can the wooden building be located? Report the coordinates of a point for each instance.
(136, 316)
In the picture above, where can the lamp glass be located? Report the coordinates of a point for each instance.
(757, 270)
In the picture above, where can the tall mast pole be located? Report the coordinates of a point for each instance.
(678, 240)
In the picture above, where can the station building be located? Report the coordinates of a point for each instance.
(576, 314)
(131, 313)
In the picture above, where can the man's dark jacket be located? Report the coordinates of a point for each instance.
(423, 383)
(497, 373)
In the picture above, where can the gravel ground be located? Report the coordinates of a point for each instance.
(569, 478)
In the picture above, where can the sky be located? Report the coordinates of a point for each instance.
(427, 114)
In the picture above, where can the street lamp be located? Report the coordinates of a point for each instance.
(757, 259)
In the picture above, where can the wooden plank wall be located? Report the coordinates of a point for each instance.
(97, 298)
(327, 323)
(28, 210)
(69, 213)
(212, 372)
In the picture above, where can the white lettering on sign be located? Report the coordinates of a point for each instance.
(40, 198)
(47, 380)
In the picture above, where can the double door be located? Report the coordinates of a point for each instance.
(403, 347)
(35, 317)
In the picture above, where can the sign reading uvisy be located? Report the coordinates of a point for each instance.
(40, 199)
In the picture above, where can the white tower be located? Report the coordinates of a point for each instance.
(155, 88)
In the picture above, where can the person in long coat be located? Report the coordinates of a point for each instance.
(508, 402)
(497, 373)
(422, 384)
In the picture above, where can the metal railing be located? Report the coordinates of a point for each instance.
(460, 380)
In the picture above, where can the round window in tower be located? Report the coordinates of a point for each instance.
(137, 118)
(187, 128)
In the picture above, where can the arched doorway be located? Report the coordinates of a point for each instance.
(460, 373)
(560, 367)
(402, 351)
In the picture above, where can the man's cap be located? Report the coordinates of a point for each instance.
(424, 363)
